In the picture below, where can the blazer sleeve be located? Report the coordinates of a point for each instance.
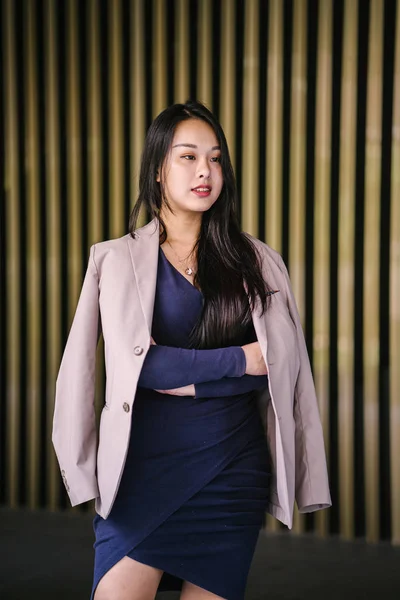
(74, 434)
(311, 476)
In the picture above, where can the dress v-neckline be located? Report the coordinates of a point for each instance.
(179, 273)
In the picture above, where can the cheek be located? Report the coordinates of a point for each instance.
(174, 178)
(180, 172)
(218, 181)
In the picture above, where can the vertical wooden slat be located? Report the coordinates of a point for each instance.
(204, 74)
(250, 155)
(137, 97)
(227, 86)
(297, 168)
(33, 257)
(371, 268)
(394, 298)
(160, 63)
(273, 213)
(13, 286)
(181, 84)
(95, 160)
(53, 263)
(74, 165)
(346, 266)
(116, 133)
(322, 226)
(74, 162)
(95, 143)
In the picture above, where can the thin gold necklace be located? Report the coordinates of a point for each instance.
(188, 270)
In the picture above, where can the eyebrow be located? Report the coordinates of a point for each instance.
(194, 146)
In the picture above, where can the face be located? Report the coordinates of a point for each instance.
(192, 169)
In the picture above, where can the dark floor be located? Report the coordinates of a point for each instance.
(49, 556)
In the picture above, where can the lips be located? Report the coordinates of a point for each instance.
(202, 188)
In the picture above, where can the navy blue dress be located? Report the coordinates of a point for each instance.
(194, 489)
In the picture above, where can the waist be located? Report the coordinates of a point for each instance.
(162, 422)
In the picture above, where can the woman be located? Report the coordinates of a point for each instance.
(198, 438)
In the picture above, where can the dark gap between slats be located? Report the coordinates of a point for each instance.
(311, 75)
(287, 90)
(127, 39)
(263, 99)
(384, 323)
(61, 38)
(337, 57)
(44, 458)
(4, 342)
(358, 306)
(104, 94)
(20, 51)
(237, 159)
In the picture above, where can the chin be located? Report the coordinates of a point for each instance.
(195, 207)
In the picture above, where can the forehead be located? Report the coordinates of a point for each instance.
(196, 132)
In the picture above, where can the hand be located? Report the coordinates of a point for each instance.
(152, 342)
(255, 363)
(186, 390)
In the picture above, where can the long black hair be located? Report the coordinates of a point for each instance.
(225, 255)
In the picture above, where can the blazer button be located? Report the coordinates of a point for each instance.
(63, 472)
(138, 350)
(126, 407)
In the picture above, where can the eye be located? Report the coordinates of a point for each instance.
(216, 159)
(188, 156)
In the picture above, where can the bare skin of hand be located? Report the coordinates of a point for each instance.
(255, 363)
(186, 390)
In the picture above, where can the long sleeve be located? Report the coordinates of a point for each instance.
(74, 434)
(308, 427)
(229, 386)
(166, 367)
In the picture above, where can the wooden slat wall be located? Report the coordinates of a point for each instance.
(308, 92)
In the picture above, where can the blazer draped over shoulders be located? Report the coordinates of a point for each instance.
(117, 301)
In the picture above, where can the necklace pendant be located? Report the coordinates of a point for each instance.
(189, 271)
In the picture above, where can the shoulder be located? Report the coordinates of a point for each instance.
(115, 243)
(271, 257)
(274, 269)
(119, 243)
(104, 246)
(118, 248)
(103, 253)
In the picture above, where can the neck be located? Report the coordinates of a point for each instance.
(182, 229)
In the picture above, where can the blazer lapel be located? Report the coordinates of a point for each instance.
(144, 255)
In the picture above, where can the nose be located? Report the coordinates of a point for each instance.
(203, 168)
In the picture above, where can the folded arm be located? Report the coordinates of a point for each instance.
(229, 386)
(166, 367)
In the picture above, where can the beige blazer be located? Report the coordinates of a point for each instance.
(117, 299)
